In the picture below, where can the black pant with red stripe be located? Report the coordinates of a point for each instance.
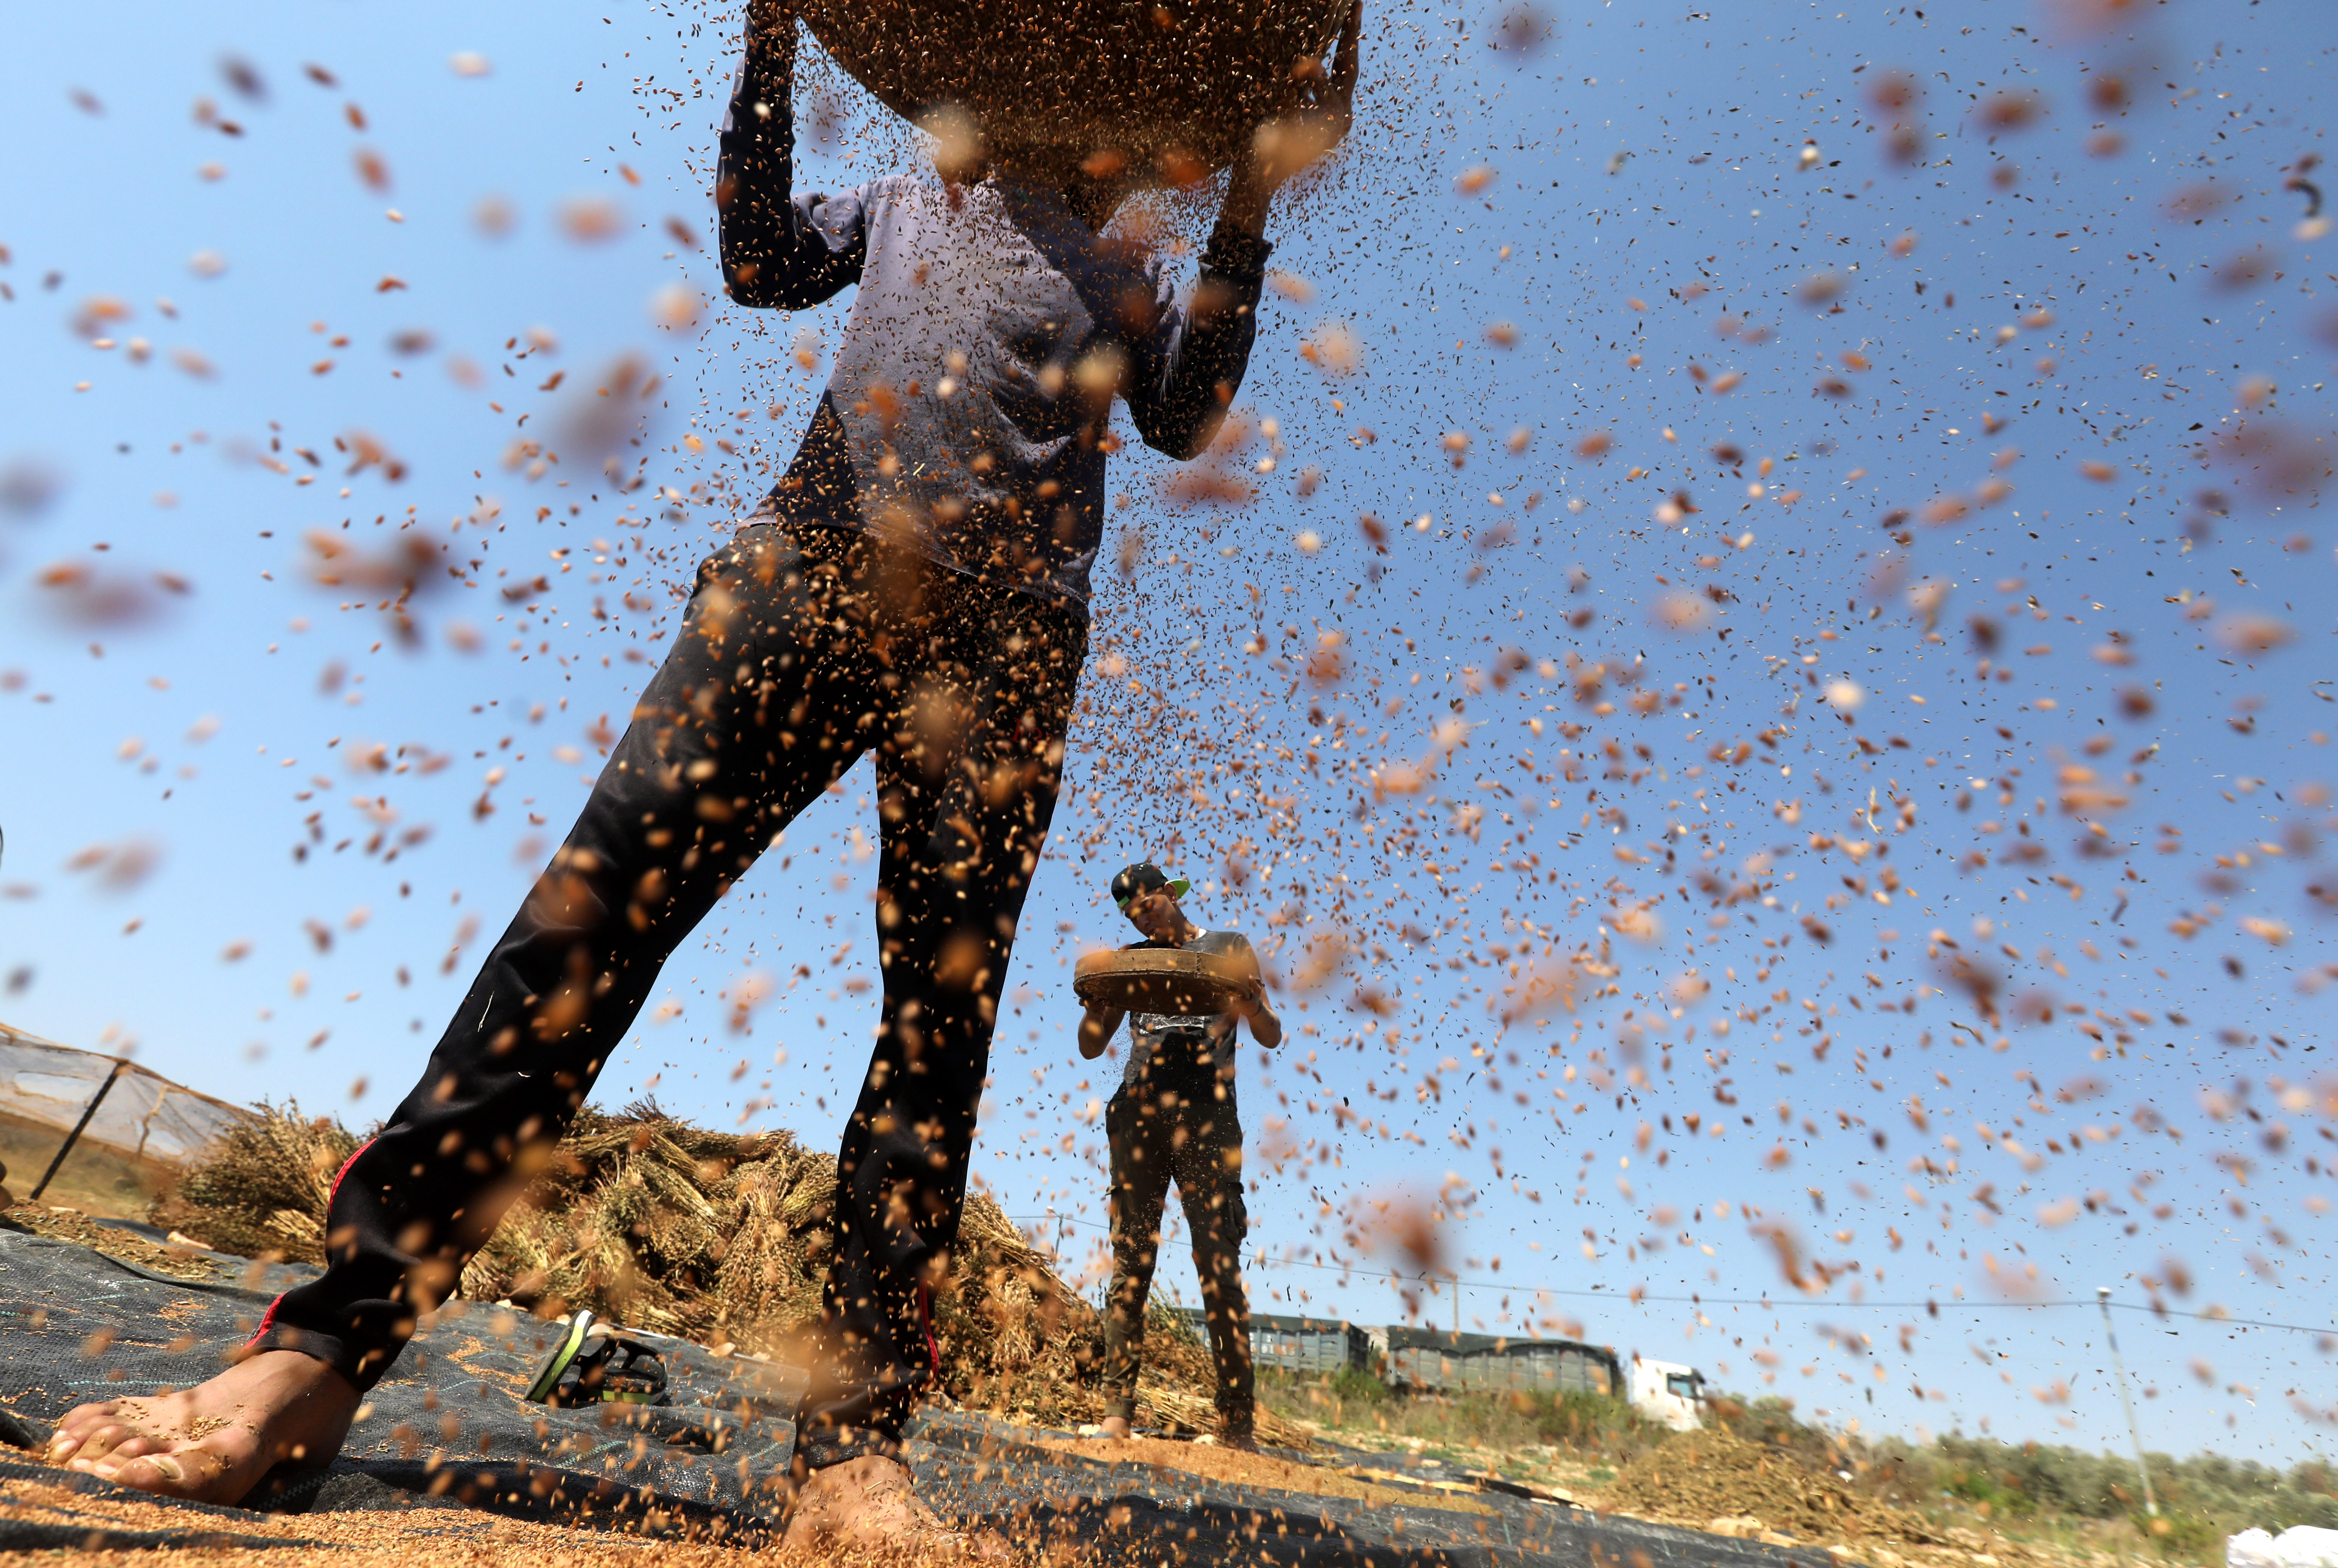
(802, 649)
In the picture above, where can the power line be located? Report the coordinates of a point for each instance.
(1767, 1303)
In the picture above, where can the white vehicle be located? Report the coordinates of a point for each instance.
(1668, 1392)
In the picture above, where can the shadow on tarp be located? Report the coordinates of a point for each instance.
(447, 1440)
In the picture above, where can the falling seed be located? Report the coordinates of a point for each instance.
(493, 217)
(1291, 287)
(591, 220)
(676, 306)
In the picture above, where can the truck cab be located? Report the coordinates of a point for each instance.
(1668, 1392)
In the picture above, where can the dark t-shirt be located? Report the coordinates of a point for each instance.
(1172, 1051)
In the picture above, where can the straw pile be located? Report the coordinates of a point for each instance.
(1713, 1474)
(718, 1238)
(262, 1191)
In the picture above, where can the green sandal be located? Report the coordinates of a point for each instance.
(590, 1350)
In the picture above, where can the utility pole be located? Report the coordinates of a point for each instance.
(2126, 1399)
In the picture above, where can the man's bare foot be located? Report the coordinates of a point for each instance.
(1113, 1426)
(869, 1506)
(213, 1442)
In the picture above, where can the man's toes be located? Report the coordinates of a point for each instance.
(802, 1541)
(137, 1446)
(74, 1432)
(155, 1473)
(99, 1442)
(82, 1415)
(987, 1546)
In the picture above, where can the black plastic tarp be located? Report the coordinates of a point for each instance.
(449, 1430)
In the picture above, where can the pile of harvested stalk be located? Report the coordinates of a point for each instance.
(1706, 1477)
(264, 1189)
(714, 1237)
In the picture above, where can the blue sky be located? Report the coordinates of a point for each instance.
(1546, 324)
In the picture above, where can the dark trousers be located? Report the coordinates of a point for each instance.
(1188, 1134)
(802, 649)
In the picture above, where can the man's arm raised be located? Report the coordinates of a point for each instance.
(779, 250)
(1322, 107)
(1188, 371)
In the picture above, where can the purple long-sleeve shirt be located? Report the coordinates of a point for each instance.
(968, 415)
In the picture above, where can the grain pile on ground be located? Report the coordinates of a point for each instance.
(717, 1237)
(1264, 1471)
(1709, 1475)
(113, 1527)
(68, 1224)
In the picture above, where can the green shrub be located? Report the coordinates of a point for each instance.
(2182, 1537)
(1597, 1424)
(1996, 1495)
(1593, 1425)
(2203, 1498)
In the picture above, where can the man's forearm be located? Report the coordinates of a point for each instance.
(1247, 198)
(773, 255)
(767, 63)
(1184, 395)
(1096, 1033)
(755, 171)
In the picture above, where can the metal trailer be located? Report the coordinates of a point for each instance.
(1438, 1360)
(1297, 1344)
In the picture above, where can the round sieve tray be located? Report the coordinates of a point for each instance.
(1074, 77)
(1169, 980)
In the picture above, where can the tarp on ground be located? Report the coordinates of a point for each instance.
(449, 1429)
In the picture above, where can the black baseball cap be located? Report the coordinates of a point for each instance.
(1143, 878)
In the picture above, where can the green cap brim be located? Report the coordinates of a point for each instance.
(1175, 889)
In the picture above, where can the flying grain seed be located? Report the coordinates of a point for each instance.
(591, 220)
(676, 306)
(959, 152)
